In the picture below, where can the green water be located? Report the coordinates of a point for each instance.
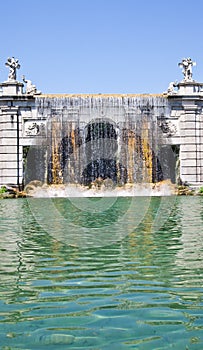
(62, 289)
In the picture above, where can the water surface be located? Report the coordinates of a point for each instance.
(141, 290)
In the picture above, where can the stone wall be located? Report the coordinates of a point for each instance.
(23, 124)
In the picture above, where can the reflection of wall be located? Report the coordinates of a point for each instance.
(22, 243)
(10, 246)
(190, 254)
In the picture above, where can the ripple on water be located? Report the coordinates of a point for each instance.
(144, 292)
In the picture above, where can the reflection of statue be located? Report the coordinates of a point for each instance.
(13, 64)
(187, 64)
(30, 88)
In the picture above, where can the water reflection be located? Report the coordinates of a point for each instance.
(190, 255)
(143, 291)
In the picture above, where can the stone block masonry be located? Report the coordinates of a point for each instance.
(132, 131)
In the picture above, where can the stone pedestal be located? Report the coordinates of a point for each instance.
(10, 88)
(189, 87)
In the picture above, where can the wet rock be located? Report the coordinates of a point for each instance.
(36, 183)
(97, 183)
(185, 191)
(6, 192)
(107, 184)
(31, 187)
(7, 195)
(21, 194)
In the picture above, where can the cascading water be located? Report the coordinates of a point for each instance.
(104, 137)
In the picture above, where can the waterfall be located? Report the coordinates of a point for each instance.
(114, 137)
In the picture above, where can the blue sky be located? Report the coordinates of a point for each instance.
(101, 46)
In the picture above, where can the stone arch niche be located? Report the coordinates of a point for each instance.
(101, 145)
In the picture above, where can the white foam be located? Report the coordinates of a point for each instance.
(161, 189)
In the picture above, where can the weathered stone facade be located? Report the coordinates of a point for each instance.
(25, 117)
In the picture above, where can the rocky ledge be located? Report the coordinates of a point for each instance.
(11, 192)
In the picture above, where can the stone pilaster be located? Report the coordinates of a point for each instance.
(191, 143)
(10, 146)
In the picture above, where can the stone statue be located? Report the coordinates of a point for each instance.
(30, 88)
(13, 64)
(187, 64)
(171, 88)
